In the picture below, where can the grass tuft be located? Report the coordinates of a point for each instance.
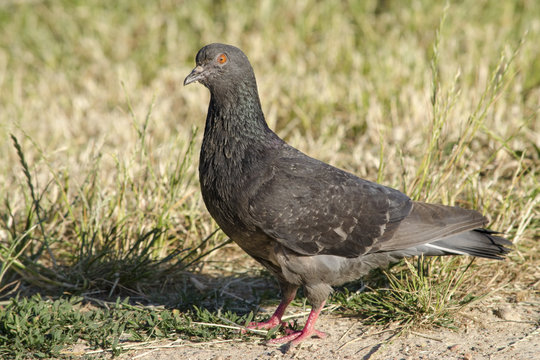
(428, 294)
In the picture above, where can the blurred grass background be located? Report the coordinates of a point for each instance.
(98, 183)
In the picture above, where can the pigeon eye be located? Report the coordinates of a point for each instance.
(222, 59)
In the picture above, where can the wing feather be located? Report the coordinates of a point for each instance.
(313, 208)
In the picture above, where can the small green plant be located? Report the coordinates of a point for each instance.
(41, 328)
(426, 295)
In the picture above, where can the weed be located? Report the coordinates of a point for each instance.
(46, 328)
(426, 295)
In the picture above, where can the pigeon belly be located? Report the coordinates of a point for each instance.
(328, 269)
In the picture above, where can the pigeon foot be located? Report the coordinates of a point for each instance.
(269, 324)
(295, 337)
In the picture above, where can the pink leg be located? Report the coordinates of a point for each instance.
(275, 319)
(307, 331)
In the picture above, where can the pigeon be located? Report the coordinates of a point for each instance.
(310, 224)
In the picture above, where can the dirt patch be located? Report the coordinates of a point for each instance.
(501, 331)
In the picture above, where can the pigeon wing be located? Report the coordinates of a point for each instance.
(313, 208)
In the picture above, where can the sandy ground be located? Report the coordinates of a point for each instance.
(501, 331)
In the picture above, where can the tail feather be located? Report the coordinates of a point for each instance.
(479, 242)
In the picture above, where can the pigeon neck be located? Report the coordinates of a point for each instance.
(237, 114)
(236, 140)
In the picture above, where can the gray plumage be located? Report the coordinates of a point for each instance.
(309, 223)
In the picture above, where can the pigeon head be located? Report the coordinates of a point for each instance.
(221, 68)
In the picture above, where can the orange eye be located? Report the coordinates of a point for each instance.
(222, 59)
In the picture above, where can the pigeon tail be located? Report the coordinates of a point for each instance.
(479, 242)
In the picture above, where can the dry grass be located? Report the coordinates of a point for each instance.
(447, 111)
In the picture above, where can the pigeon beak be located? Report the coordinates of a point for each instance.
(195, 75)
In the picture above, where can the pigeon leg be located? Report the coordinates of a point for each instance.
(289, 292)
(307, 331)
